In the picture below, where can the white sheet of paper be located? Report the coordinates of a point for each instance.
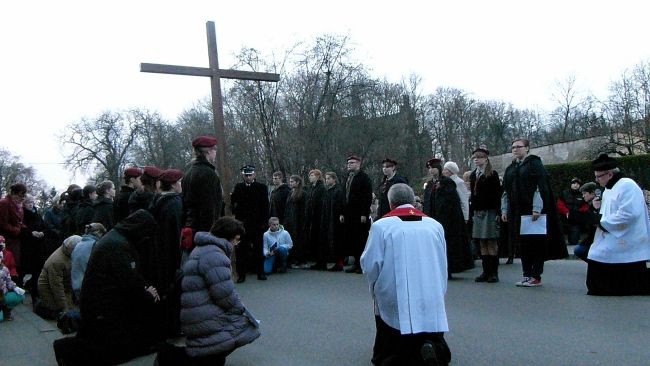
(530, 227)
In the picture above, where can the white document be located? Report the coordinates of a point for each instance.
(530, 227)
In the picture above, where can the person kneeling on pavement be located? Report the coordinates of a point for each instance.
(587, 215)
(116, 302)
(277, 243)
(54, 283)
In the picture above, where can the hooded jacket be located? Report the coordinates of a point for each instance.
(212, 315)
(54, 283)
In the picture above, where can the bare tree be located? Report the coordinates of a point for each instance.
(103, 144)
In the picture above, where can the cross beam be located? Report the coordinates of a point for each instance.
(215, 74)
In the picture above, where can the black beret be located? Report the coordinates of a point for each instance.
(576, 180)
(603, 162)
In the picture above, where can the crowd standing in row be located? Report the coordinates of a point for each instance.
(131, 260)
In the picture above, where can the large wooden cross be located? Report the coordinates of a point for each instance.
(215, 75)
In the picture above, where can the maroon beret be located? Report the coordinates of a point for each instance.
(204, 141)
(152, 172)
(171, 176)
(353, 157)
(433, 162)
(132, 172)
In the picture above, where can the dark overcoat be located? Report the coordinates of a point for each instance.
(103, 212)
(331, 226)
(121, 205)
(279, 202)
(83, 216)
(313, 214)
(441, 202)
(384, 206)
(294, 223)
(520, 182)
(202, 195)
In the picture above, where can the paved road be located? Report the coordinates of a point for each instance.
(320, 318)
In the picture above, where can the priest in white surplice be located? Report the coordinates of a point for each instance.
(405, 262)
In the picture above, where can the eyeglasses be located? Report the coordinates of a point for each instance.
(517, 147)
(598, 176)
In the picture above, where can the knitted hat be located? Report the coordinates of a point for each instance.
(452, 167)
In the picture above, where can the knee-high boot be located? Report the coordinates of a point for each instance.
(486, 272)
(493, 276)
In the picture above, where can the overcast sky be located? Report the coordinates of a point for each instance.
(63, 60)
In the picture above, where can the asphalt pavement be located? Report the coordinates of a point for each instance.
(321, 318)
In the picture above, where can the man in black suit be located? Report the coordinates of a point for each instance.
(250, 205)
(356, 215)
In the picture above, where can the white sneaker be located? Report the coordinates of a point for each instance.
(523, 283)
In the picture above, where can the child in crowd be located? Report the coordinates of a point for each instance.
(277, 243)
(10, 294)
(9, 261)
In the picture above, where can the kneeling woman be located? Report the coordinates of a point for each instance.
(213, 317)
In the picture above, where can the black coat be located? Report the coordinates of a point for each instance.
(358, 198)
(84, 216)
(121, 205)
(314, 212)
(202, 195)
(520, 182)
(114, 305)
(485, 192)
(331, 226)
(441, 202)
(384, 206)
(250, 204)
(294, 221)
(279, 201)
(32, 248)
(103, 212)
(167, 209)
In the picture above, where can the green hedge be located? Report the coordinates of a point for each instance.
(636, 167)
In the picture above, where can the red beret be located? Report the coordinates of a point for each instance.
(432, 162)
(152, 172)
(353, 157)
(132, 172)
(171, 176)
(204, 141)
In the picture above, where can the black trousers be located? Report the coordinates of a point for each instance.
(356, 235)
(532, 255)
(249, 252)
(393, 348)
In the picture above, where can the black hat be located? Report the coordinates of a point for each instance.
(434, 163)
(603, 162)
(576, 180)
(588, 187)
(481, 149)
(247, 169)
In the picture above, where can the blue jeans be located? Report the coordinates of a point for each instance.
(282, 254)
(581, 251)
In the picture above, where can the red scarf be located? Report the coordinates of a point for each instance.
(405, 211)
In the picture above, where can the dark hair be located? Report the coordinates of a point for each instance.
(523, 141)
(18, 188)
(165, 186)
(148, 182)
(88, 190)
(279, 174)
(104, 187)
(228, 228)
(297, 191)
(333, 175)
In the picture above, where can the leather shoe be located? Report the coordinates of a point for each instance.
(241, 279)
(261, 277)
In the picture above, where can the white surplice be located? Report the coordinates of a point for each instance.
(405, 263)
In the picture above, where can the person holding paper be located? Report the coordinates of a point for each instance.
(277, 243)
(526, 191)
(617, 258)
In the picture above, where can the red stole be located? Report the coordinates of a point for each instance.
(405, 211)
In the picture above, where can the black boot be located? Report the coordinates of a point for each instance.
(483, 276)
(493, 277)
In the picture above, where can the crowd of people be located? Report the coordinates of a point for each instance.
(129, 270)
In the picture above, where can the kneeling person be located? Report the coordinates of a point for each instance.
(407, 247)
(277, 243)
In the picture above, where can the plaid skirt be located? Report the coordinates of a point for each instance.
(484, 225)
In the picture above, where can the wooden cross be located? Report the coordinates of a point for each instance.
(215, 75)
